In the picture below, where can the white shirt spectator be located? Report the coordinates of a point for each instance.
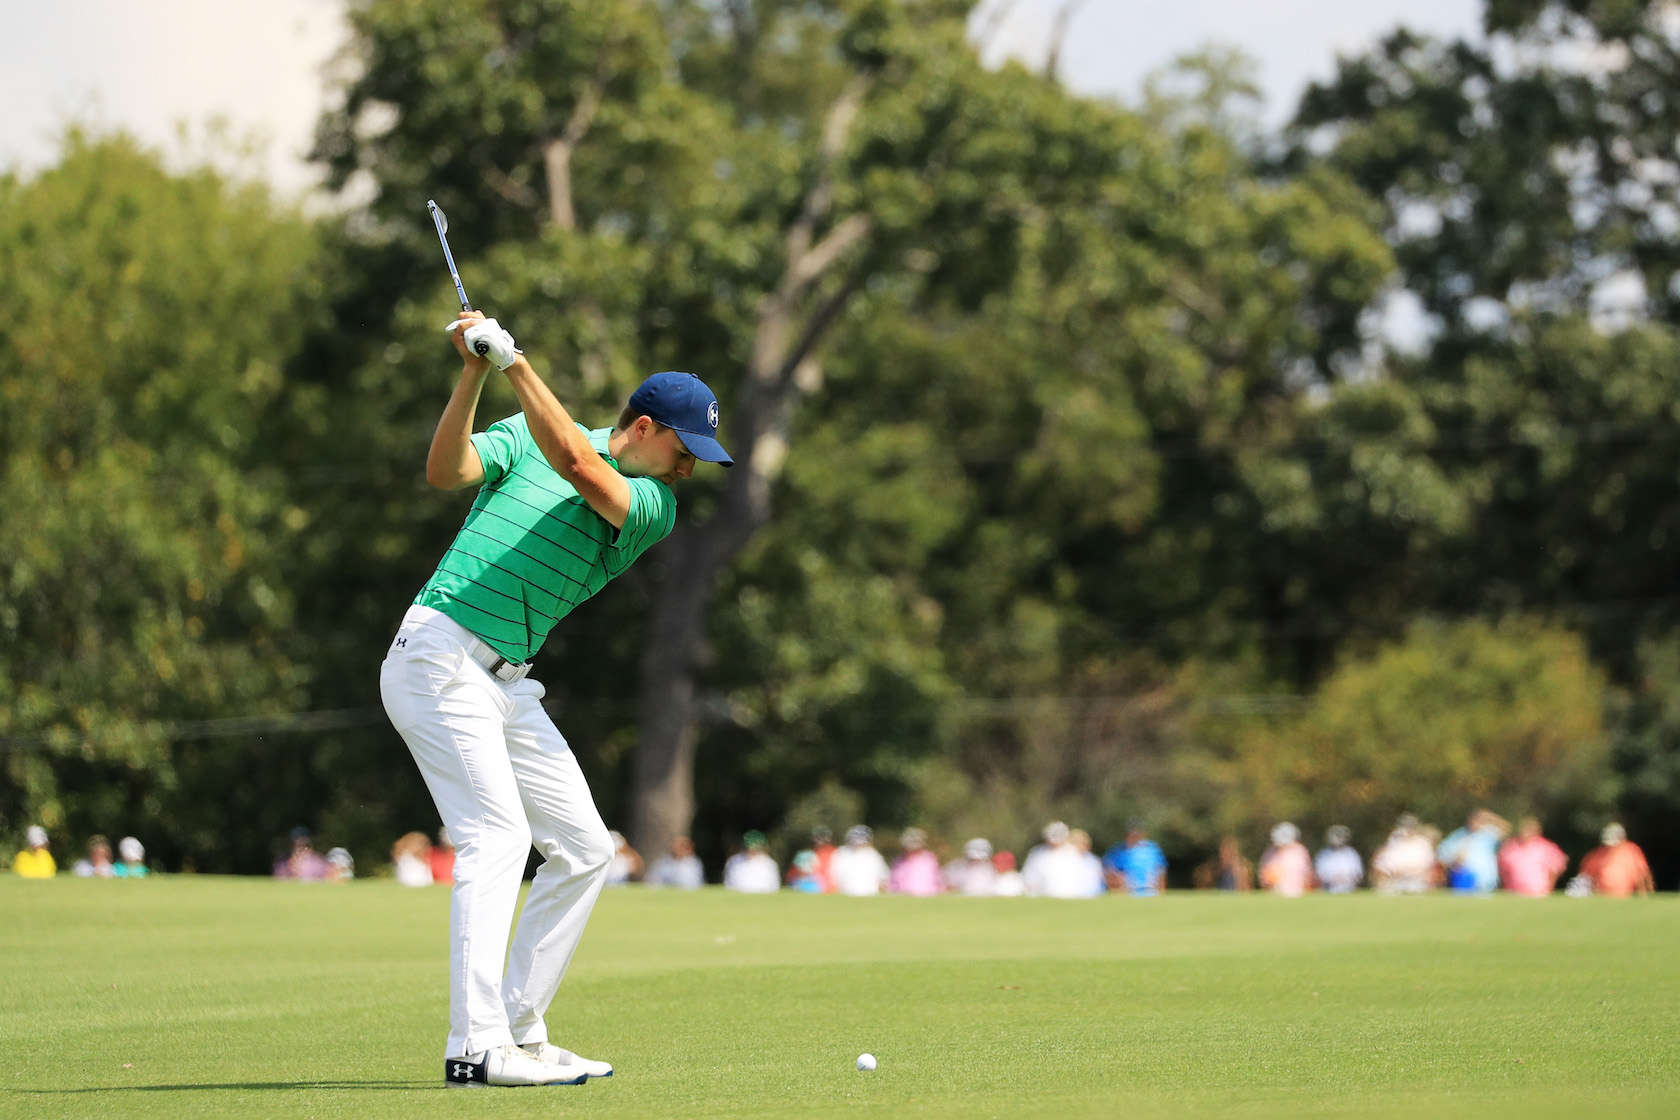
(1340, 870)
(682, 873)
(858, 870)
(752, 872)
(413, 871)
(1057, 871)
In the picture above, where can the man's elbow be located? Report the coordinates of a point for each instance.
(440, 478)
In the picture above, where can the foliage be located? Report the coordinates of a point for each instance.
(1452, 718)
(149, 318)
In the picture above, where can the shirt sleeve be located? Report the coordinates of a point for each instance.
(501, 445)
(650, 519)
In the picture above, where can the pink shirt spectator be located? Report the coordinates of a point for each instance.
(1531, 865)
(918, 873)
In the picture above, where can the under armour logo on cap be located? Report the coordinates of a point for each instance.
(682, 401)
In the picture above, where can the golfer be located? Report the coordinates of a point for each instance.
(560, 511)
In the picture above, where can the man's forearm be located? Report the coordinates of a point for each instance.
(452, 463)
(557, 436)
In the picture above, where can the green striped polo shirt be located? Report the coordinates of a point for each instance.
(532, 549)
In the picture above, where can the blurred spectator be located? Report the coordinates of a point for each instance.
(303, 861)
(1286, 866)
(35, 861)
(1529, 863)
(679, 868)
(916, 871)
(1055, 868)
(626, 861)
(752, 871)
(443, 858)
(411, 859)
(98, 864)
(1137, 866)
(1227, 871)
(973, 874)
(822, 843)
(1470, 855)
(857, 868)
(1010, 883)
(802, 873)
(1405, 864)
(1337, 865)
(340, 867)
(1090, 867)
(1617, 867)
(131, 859)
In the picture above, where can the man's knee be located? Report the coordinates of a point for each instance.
(491, 849)
(594, 852)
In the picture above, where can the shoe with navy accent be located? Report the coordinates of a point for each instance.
(553, 1055)
(507, 1065)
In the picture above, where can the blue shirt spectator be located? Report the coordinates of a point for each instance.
(1471, 853)
(1137, 866)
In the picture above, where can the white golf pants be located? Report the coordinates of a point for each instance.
(503, 778)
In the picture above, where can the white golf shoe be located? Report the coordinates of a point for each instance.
(507, 1065)
(553, 1055)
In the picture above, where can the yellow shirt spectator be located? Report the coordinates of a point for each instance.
(36, 864)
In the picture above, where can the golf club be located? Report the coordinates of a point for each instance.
(442, 223)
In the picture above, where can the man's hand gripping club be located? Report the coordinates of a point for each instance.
(485, 338)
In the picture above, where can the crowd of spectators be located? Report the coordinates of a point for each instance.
(1481, 856)
(1478, 858)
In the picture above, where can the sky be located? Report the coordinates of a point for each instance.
(162, 70)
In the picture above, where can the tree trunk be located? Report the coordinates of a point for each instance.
(788, 330)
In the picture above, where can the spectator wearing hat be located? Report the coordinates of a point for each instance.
(411, 860)
(98, 863)
(974, 873)
(1055, 868)
(857, 868)
(35, 861)
(341, 868)
(679, 868)
(1617, 867)
(802, 873)
(752, 871)
(1286, 866)
(1529, 863)
(1337, 865)
(916, 871)
(131, 859)
(1136, 866)
(303, 862)
(442, 858)
(626, 863)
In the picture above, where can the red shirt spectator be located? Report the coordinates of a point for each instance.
(1618, 867)
(443, 858)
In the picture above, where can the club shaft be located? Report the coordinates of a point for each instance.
(448, 257)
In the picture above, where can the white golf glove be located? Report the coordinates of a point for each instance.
(489, 340)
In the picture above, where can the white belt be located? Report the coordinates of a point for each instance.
(477, 648)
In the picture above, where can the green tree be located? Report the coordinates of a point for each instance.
(148, 321)
(1451, 718)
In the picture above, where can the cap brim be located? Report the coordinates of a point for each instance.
(704, 448)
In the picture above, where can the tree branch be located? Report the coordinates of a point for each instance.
(1058, 35)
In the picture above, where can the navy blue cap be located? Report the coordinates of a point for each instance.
(681, 401)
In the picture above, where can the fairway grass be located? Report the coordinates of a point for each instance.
(222, 997)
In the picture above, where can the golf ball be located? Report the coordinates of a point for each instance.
(866, 1061)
